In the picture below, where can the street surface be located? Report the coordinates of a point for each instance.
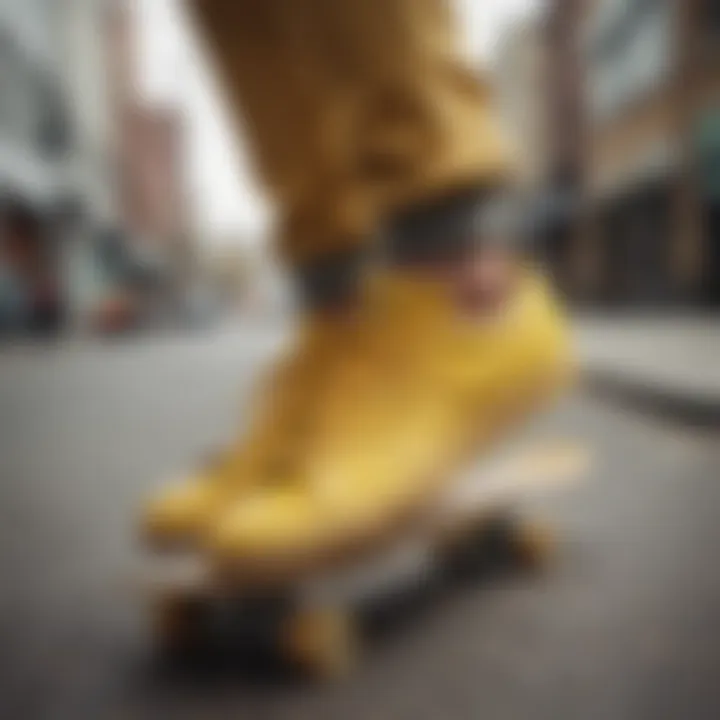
(676, 355)
(625, 626)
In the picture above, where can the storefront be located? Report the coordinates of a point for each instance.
(636, 228)
(34, 141)
(708, 161)
(636, 235)
(31, 299)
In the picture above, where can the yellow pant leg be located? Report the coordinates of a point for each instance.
(352, 108)
(274, 65)
(424, 120)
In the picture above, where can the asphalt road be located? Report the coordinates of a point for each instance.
(626, 625)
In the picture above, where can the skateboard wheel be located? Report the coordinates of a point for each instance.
(533, 544)
(176, 624)
(504, 541)
(321, 642)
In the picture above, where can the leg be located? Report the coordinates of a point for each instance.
(273, 58)
(420, 147)
(424, 123)
(280, 79)
(354, 110)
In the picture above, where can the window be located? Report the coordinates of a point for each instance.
(631, 54)
(32, 22)
(53, 130)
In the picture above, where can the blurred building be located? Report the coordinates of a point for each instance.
(92, 183)
(563, 82)
(92, 216)
(59, 154)
(152, 197)
(700, 97)
(520, 75)
(653, 82)
(152, 181)
(34, 142)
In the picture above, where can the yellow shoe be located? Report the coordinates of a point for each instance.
(428, 389)
(181, 513)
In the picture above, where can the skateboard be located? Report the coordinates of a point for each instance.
(315, 624)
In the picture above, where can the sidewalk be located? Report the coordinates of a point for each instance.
(669, 364)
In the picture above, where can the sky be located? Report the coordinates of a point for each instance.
(228, 205)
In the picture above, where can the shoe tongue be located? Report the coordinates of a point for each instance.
(410, 315)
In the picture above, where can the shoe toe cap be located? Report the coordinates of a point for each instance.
(177, 514)
(265, 531)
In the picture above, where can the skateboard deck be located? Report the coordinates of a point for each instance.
(313, 620)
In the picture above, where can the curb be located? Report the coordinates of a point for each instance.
(653, 397)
